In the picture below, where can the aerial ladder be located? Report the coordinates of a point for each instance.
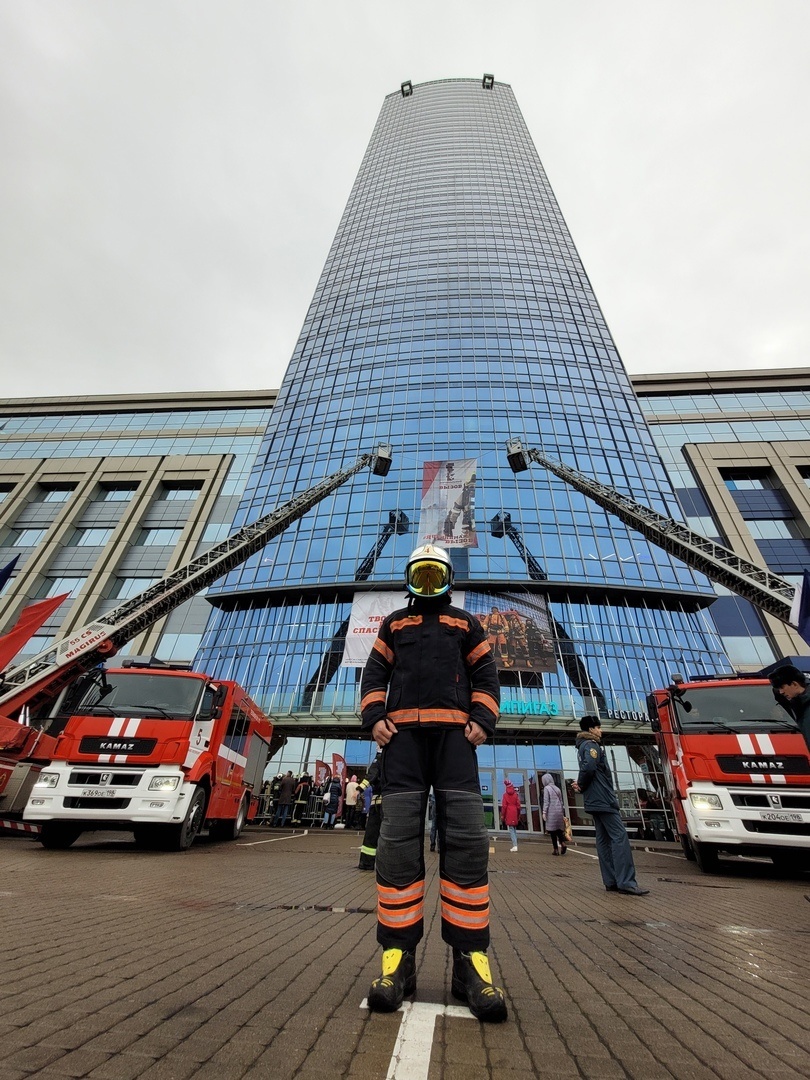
(767, 591)
(28, 690)
(503, 526)
(398, 524)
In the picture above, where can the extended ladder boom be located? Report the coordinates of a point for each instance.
(50, 670)
(767, 591)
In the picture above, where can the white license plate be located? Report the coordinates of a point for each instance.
(98, 793)
(780, 815)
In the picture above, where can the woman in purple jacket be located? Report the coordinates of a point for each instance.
(553, 814)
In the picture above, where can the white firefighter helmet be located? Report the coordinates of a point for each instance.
(429, 571)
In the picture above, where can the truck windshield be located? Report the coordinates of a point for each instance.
(144, 694)
(738, 709)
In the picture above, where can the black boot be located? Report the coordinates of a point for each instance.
(398, 980)
(472, 983)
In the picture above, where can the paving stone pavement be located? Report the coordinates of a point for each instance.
(250, 960)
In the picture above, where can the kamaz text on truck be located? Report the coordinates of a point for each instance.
(737, 770)
(158, 750)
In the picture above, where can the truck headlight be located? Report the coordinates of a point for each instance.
(703, 801)
(47, 779)
(164, 783)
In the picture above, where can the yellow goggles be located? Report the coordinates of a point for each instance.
(428, 578)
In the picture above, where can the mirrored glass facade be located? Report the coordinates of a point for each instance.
(452, 313)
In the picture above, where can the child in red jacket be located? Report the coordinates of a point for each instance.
(510, 811)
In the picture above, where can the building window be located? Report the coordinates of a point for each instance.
(171, 492)
(5, 489)
(125, 588)
(91, 537)
(56, 586)
(117, 492)
(748, 479)
(55, 493)
(215, 533)
(775, 529)
(27, 537)
(158, 537)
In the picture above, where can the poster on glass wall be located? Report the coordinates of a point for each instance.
(518, 627)
(447, 512)
(368, 611)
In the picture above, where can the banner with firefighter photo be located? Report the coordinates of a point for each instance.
(447, 512)
(368, 611)
(518, 627)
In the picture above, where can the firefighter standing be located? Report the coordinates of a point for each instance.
(368, 849)
(430, 695)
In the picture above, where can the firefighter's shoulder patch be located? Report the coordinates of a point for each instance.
(594, 752)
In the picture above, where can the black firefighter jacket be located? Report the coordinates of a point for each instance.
(431, 665)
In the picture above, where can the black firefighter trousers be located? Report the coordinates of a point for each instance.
(414, 761)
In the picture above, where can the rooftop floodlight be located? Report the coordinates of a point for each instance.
(406, 89)
(488, 82)
(516, 456)
(381, 462)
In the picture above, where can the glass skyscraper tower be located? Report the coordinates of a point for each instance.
(454, 312)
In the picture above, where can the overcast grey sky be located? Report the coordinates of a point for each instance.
(172, 172)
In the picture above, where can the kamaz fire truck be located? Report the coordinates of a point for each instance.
(736, 765)
(144, 746)
(736, 768)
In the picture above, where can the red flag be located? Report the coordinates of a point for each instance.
(339, 767)
(321, 773)
(30, 620)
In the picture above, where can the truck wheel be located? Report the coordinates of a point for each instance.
(686, 847)
(232, 830)
(57, 836)
(181, 837)
(706, 856)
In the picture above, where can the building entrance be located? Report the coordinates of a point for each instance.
(526, 784)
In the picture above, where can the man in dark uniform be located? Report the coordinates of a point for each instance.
(596, 783)
(430, 696)
(790, 690)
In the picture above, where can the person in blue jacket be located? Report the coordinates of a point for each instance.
(596, 784)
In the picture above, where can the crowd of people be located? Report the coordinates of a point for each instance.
(295, 801)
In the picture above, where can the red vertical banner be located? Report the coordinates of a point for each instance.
(321, 773)
(339, 768)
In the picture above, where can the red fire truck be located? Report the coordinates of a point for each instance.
(737, 770)
(176, 747)
(155, 749)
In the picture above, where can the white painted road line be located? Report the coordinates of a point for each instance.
(275, 839)
(587, 854)
(411, 1057)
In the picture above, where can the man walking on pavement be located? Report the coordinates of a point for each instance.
(596, 783)
(430, 696)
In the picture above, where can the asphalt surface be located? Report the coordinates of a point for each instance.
(252, 960)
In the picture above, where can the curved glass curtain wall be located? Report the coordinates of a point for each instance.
(453, 312)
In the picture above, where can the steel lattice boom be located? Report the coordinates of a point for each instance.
(48, 671)
(767, 591)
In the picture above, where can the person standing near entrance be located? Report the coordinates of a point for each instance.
(350, 803)
(510, 811)
(430, 696)
(596, 784)
(554, 814)
(286, 790)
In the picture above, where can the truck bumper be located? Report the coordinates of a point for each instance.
(778, 818)
(111, 803)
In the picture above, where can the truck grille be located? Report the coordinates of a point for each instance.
(784, 828)
(74, 803)
(760, 799)
(82, 778)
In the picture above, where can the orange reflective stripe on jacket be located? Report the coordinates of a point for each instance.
(429, 716)
(487, 700)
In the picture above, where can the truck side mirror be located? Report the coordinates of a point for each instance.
(220, 693)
